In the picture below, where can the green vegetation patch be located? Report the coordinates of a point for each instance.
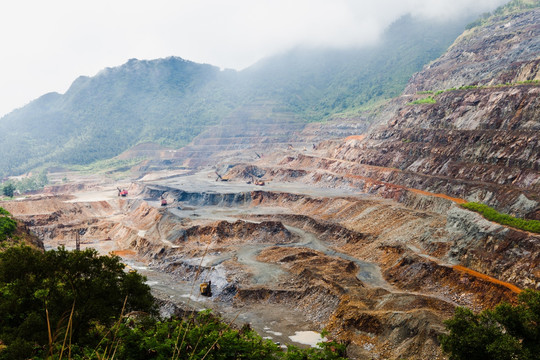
(7, 224)
(504, 333)
(203, 336)
(80, 305)
(107, 165)
(30, 183)
(503, 219)
(46, 295)
(427, 100)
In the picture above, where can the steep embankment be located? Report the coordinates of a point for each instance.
(479, 142)
(476, 143)
(373, 271)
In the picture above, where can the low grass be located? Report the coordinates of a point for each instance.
(427, 100)
(107, 166)
(503, 219)
(473, 87)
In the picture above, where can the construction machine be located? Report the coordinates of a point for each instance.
(206, 289)
(163, 200)
(258, 182)
(122, 192)
(220, 178)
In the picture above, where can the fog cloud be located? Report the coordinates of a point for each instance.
(47, 44)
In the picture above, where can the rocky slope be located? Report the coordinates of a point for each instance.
(314, 247)
(478, 143)
(503, 50)
(372, 271)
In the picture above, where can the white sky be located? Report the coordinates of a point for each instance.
(45, 45)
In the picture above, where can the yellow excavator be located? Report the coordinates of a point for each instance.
(206, 289)
(221, 178)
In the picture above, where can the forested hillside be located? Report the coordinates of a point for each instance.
(170, 101)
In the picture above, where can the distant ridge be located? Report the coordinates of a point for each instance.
(170, 101)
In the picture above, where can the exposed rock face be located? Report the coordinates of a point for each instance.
(375, 272)
(474, 144)
(503, 51)
(380, 273)
(478, 143)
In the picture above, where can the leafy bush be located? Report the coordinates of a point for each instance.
(504, 219)
(38, 289)
(7, 224)
(202, 336)
(8, 189)
(58, 302)
(505, 333)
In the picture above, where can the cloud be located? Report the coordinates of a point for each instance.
(47, 44)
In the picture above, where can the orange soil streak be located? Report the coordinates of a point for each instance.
(456, 200)
(355, 137)
(427, 193)
(487, 278)
(374, 181)
(124, 252)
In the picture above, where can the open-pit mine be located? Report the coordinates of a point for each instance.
(353, 226)
(291, 259)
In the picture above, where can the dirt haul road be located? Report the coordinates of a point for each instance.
(285, 257)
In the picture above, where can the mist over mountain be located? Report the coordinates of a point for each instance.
(170, 101)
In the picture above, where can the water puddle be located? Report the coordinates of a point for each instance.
(310, 338)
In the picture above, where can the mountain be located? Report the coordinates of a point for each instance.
(433, 146)
(171, 101)
(466, 126)
(321, 82)
(465, 129)
(477, 138)
(167, 101)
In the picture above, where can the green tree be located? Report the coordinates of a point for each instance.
(505, 333)
(8, 189)
(89, 291)
(40, 288)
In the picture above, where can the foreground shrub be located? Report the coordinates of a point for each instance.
(505, 333)
(203, 336)
(7, 224)
(79, 305)
(41, 293)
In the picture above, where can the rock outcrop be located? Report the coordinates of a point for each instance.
(478, 142)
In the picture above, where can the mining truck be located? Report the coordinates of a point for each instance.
(258, 182)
